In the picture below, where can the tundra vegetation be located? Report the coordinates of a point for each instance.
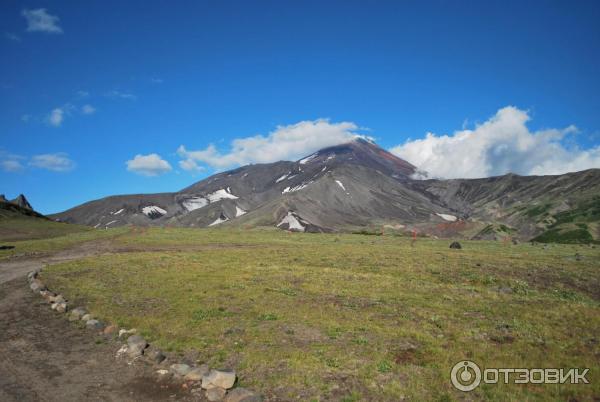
(345, 316)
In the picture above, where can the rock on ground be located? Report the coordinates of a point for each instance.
(215, 394)
(180, 369)
(197, 373)
(136, 345)
(77, 313)
(219, 378)
(94, 325)
(242, 395)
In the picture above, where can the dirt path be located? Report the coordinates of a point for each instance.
(18, 267)
(46, 358)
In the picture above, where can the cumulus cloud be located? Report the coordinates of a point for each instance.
(39, 20)
(191, 166)
(58, 162)
(88, 109)
(56, 117)
(503, 144)
(148, 165)
(284, 143)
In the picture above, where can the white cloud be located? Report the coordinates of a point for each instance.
(501, 145)
(58, 162)
(148, 165)
(88, 109)
(39, 20)
(56, 117)
(191, 166)
(285, 143)
(25, 118)
(120, 95)
(11, 165)
(83, 94)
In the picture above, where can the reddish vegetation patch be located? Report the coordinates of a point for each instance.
(449, 229)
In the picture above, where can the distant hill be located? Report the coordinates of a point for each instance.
(19, 221)
(358, 186)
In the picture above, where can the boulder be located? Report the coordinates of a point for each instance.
(197, 373)
(156, 355)
(455, 245)
(136, 345)
(33, 274)
(56, 299)
(215, 394)
(242, 395)
(77, 313)
(46, 294)
(180, 369)
(61, 307)
(94, 325)
(87, 317)
(219, 378)
(37, 286)
(126, 332)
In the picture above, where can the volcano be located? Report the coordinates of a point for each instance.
(349, 187)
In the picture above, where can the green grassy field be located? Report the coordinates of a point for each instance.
(14, 227)
(351, 317)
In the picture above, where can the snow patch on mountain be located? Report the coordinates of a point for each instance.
(308, 158)
(192, 204)
(219, 220)
(282, 178)
(153, 211)
(341, 185)
(118, 212)
(446, 217)
(110, 223)
(292, 222)
(295, 188)
(221, 195)
(239, 211)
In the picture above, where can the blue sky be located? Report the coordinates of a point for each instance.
(87, 86)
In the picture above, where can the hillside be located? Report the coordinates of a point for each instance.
(19, 221)
(360, 186)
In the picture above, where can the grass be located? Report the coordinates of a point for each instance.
(60, 240)
(351, 317)
(581, 235)
(15, 227)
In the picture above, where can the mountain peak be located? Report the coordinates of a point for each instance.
(22, 202)
(362, 151)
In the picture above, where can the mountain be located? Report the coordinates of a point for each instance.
(22, 202)
(19, 221)
(358, 186)
(16, 207)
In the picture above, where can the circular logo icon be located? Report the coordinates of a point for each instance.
(465, 375)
